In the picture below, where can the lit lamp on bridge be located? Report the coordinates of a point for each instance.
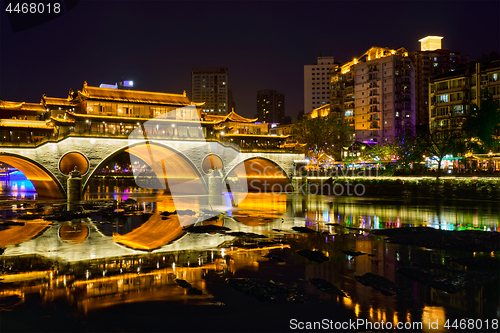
(468, 155)
(490, 162)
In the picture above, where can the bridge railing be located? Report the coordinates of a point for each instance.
(60, 137)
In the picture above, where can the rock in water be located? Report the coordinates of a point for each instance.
(316, 256)
(327, 287)
(303, 230)
(183, 283)
(353, 254)
(380, 283)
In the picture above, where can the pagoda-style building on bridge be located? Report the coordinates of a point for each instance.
(109, 112)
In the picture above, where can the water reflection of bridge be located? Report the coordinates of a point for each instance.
(83, 241)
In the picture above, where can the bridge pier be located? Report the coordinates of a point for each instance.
(74, 188)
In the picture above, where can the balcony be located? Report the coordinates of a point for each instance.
(455, 88)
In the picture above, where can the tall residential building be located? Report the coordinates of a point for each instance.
(375, 94)
(452, 94)
(317, 83)
(210, 85)
(270, 106)
(342, 97)
(384, 95)
(431, 60)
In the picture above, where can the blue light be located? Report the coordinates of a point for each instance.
(18, 182)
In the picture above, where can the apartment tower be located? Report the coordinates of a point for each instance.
(270, 106)
(210, 85)
(431, 60)
(317, 83)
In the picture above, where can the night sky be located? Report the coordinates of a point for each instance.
(264, 44)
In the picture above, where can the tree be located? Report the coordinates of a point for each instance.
(408, 150)
(321, 135)
(437, 144)
(386, 152)
(481, 123)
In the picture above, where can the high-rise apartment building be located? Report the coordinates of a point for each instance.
(342, 94)
(452, 94)
(384, 95)
(270, 106)
(210, 85)
(317, 83)
(431, 60)
(375, 94)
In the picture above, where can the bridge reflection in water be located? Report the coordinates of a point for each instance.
(86, 265)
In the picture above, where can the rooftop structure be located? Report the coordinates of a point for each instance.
(430, 43)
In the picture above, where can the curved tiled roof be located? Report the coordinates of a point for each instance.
(232, 116)
(134, 96)
(22, 106)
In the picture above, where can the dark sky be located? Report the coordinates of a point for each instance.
(264, 44)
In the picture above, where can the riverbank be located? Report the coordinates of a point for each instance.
(473, 188)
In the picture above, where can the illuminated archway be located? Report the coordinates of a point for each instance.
(261, 175)
(212, 162)
(70, 160)
(45, 183)
(174, 171)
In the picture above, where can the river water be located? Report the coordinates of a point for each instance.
(132, 256)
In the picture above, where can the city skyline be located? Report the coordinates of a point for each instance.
(157, 50)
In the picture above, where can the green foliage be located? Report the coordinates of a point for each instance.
(480, 125)
(321, 135)
(438, 144)
(408, 150)
(405, 150)
(385, 152)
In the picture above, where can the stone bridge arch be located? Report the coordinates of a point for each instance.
(174, 163)
(47, 156)
(261, 174)
(44, 181)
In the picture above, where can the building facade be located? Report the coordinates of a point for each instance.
(451, 95)
(384, 95)
(210, 85)
(270, 106)
(342, 98)
(375, 94)
(317, 83)
(429, 61)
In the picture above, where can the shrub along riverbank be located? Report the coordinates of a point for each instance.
(458, 188)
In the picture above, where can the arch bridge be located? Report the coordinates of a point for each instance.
(47, 166)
